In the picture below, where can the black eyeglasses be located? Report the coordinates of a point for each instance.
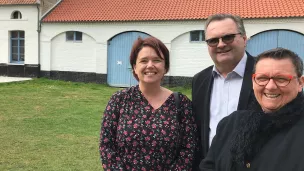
(227, 39)
(281, 80)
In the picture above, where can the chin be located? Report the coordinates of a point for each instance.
(224, 58)
(270, 109)
(150, 81)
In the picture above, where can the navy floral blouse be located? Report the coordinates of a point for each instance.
(134, 136)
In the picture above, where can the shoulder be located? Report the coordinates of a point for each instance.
(184, 101)
(249, 56)
(232, 121)
(123, 93)
(184, 98)
(202, 74)
(250, 59)
(224, 132)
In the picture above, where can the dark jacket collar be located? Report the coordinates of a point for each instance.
(257, 128)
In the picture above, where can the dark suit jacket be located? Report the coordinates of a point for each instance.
(201, 91)
(283, 152)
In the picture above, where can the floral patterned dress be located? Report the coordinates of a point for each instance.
(134, 136)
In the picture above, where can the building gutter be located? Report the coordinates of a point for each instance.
(39, 31)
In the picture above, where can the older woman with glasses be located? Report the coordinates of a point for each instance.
(269, 137)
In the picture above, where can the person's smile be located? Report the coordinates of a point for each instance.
(271, 96)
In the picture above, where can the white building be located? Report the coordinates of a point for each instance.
(90, 40)
(19, 55)
(19, 36)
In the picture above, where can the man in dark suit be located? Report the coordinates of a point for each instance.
(226, 86)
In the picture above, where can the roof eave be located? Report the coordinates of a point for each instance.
(166, 19)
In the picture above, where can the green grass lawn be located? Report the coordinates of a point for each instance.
(52, 125)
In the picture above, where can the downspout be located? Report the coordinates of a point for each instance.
(40, 25)
(39, 31)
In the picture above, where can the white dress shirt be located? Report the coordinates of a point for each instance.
(225, 94)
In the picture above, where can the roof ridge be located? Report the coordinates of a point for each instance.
(147, 10)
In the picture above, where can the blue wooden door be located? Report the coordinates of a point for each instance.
(293, 41)
(262, 42)
(276, 38)
(119, 72)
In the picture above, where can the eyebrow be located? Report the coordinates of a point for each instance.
(274, 75)
(153, 57)
(221, 36)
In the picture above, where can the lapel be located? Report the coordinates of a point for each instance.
(203, 97)
(247, 84)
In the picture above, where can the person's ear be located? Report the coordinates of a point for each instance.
(301, 83)
(245, 40)
(253, 83)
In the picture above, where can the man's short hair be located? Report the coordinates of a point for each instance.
(218, 17)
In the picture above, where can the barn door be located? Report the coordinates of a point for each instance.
(293, 41)
(262, 42)
(119, 70)
(276, 38)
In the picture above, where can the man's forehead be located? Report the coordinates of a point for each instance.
(221, 26)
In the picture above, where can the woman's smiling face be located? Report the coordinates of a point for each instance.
(149, 67)
(272, 97)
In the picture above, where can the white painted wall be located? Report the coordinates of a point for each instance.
(28, 24)
(77, 56)
(187, 58)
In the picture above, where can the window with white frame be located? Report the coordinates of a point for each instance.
(16, 15)
(73, 36)
(197, 36)
(17, 46)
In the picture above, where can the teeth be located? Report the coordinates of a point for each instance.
(149, 73)
(272, 95)
(224, 51)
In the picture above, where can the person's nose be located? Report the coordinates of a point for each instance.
(221, 44)
(150, 63)
(271, 85)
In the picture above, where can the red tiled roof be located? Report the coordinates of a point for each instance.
(15, 2)
(140, 10)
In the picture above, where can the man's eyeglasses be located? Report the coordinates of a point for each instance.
(227, 39)
(280, 80)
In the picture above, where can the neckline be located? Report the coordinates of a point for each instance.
(149, 104)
